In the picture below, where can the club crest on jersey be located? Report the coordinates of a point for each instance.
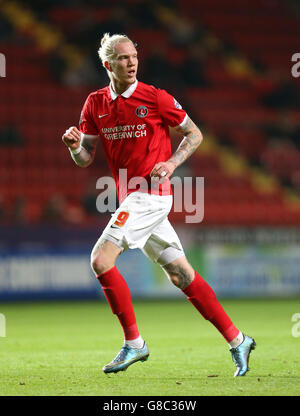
(141, 111)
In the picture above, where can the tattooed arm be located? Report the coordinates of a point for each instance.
(192, 138)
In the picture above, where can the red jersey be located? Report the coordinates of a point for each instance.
(133, 128)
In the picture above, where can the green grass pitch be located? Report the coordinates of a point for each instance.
(59, 348)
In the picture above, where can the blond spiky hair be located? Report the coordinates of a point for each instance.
(106, 51)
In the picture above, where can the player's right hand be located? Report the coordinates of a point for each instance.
(72, 138)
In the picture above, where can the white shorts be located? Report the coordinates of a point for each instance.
(141, 221)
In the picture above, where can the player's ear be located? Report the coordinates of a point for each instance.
(107, 66)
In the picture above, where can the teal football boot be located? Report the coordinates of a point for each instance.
(126, 357)
(240, 355)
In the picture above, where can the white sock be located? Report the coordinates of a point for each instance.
(135, 343)
(237, 340)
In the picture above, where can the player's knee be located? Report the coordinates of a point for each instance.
(100, 264)
(179, 280)
(175, 279)
(178, 275)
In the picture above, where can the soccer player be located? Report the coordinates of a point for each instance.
(132, 121)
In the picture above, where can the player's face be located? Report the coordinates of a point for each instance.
(124, 67)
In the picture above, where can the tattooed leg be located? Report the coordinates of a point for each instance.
(180, 272)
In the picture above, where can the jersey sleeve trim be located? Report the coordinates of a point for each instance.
(184, 121)
(89, 136)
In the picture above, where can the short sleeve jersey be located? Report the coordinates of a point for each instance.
(134, 130)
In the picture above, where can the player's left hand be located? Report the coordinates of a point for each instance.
(162, 171)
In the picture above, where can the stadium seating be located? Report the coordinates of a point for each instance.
(230, 107)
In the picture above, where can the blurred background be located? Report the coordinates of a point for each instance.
(229, 65)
